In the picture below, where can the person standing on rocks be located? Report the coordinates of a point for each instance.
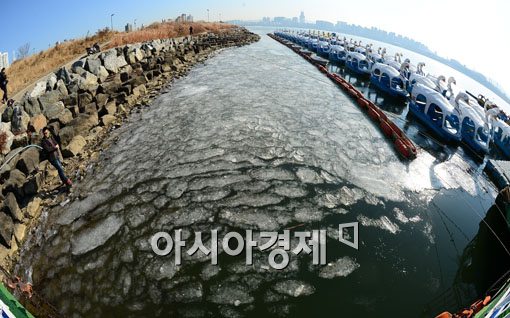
(3, 84)
(52, 149)
(190, 30)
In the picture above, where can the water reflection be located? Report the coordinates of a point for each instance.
(484, 261)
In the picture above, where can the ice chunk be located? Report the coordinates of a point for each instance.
(290, 191)
(209, 271)
(294, 288)
(139, 215)
(164, 268)
(191, 292)
(176, 188)
(349, 196)
(229, 294)
(217, 181)
(340, 268)
(307, 175)
(402, 218)
(399, 214)
(91, 238)
(211, 195)
(383, 223)
(272, 174)
(427, 231)
(308, 214)
(258, 219)
(253, 200)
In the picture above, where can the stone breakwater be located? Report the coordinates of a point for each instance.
(82, 104)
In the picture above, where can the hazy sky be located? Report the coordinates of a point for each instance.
(473, 32)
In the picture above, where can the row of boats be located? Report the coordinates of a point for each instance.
(458, 117)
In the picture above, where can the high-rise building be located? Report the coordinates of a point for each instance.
(302, 17)
(4, 60)
(184, 18)
(128, 27)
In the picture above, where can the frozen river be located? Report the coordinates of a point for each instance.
(257, 139)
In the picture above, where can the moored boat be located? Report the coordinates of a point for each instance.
(357, 63)
(388, 80)
(436, 112)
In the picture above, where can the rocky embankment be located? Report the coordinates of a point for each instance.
(82, 104)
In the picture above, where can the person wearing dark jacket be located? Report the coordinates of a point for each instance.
(3, 84)
(51, 147)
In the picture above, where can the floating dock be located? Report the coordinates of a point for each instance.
(402, 144)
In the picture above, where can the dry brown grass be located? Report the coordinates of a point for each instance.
(24, 72)
(28, 70)
(166, 30)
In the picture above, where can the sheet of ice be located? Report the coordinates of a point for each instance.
(342, 267)
(383, 223)
(90, 238)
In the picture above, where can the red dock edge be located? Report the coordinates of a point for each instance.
(404, 146)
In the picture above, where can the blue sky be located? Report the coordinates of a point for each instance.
(468, 30)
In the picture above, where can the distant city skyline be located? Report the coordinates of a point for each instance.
(464, 30)
(398, 40)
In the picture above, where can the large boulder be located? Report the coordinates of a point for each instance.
(139, 90)
(71, 99)
(20, 232)
(38, 122)
(78, 126)
(110, 87)
(61, 87)
(108, 109)
(133, 54)
(33, 185)
(28, 161)
(6, 229)
(34, 207)
(111, 61)
(106, 120)
(11, 207)
(52, 111)
(51, 82)
(19, 121)
(14, 183)
(78, 65)
(32, 106)
(49, 99)
(6, 138)
(58, 112)
(88, 82)
(38, 90)
(94, 66)
(101, 100)
(63, 74)
(139, 80)
(7, 114)
(102, 74)
(20, 140)
(9, 163)
(85, 98)
(75, 147)
(89, 108)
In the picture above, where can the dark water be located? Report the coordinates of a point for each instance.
(257, 139)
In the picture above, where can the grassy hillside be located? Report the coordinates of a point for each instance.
(28, 70)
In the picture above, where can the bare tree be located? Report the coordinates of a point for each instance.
(23, 51)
